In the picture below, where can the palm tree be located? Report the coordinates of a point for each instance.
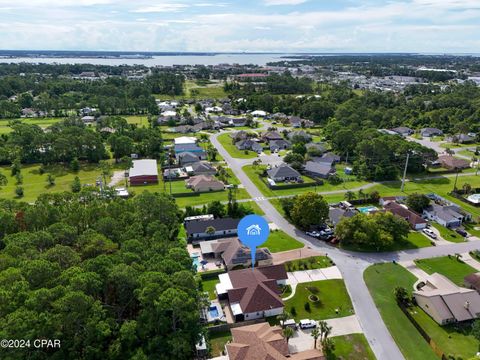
(361, 195)
(325, 330)
(284, 316)
(349, 196)
(449, 151)
(467, 188)
(401, 295)
(210, 230)
(3, 180)
(287, 333)
(315, 334)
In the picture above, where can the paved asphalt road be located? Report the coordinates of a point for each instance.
(351, 264)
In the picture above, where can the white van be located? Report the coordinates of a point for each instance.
(307, 324)
(289, 323)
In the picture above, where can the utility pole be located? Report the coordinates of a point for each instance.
(405, 172)
(455, 185)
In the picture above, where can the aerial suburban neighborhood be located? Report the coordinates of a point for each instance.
(129, 180)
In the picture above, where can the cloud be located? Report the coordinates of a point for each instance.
(161, 8)
(284, 2)
(55, 3)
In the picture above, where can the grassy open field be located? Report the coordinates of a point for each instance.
(333, 301)
(381, 280)
(194, 91)
(35, 183)
(279, 241)
(42, 122)
(139, 120)
(209, 286)
(226, 142)
(351, 347)
(452, 268)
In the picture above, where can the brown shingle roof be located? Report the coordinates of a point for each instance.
(262, 342)
(398, 210)
(256, 290)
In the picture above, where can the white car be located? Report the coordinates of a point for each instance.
(289, 323)
(307, 324)
(429, 233)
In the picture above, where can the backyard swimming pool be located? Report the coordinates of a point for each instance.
(213, 311)
(195, 258)
(367, 209)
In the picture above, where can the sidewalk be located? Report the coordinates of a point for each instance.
(410, 266)
(469, 260)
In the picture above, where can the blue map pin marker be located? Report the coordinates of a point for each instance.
(253, 231)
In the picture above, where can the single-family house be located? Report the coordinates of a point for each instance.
(253, 293)
(319, 170)
(197, 229)
(335, 214)
(284, 173)
(445, 215)
(192, 148)
(249, 144)
(329, 157)
(403, 130)
(304, 136)
(185, 140)
(298, 122)
(189, 158)
(265, 342)
(237, 122)
(462, 139)
(447, 302)
(416, 221)
(472, 281)
(271, 135)
(234, 254)
(388, 199)
(204, 183)
(430, 132)
(239, 135)
(88, 119)
(200, 168)
(277, 145)
(453, 163)
(143, 172)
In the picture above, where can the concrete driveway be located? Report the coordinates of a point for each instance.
(298, 277)
(303, 340)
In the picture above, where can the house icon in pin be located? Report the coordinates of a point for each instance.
(254, 230)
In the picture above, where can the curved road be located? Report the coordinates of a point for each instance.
(351, 264)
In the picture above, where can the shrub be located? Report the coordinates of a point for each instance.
(293, 311)
(313, 289)
(307, 307)
(19, 191)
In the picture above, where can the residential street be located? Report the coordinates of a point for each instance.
(350, 264)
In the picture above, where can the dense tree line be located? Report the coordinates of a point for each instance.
(72, 139)
(109, 279)
(59, 95)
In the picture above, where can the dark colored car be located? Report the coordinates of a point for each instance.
(461, 232)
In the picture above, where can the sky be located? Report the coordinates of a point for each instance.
(428, 26)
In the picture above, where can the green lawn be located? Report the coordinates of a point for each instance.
(441, 186)
(279, 241)
(332, 296)
(209, 286)
(381, 280)
(194, 91)
(42, 122)
(311, 263)
(218, 341)
(35, 183)
(140, 121)
(351, 347)
(253, 174)
(414, 240)
(226, 142)
(254, 206)
(448, 234)
(452, 268)
(452, 339)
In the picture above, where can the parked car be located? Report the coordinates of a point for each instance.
(314, 234)
(327, 231)
(461, 232)
(307, 324)
(289, 323)
(429, 233)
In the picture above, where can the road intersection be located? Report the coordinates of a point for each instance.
(351, 264)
